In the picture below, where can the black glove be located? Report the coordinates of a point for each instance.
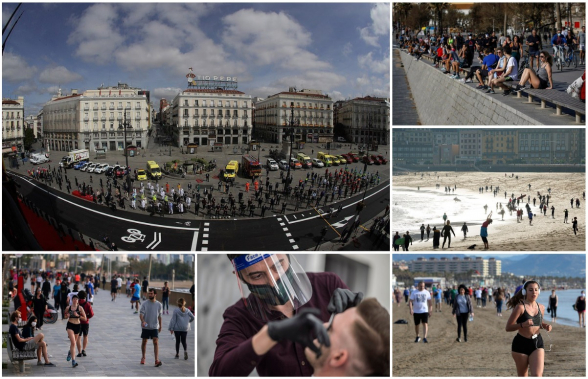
(301, 329)
(343, 299)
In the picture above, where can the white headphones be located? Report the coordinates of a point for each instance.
(524, 291)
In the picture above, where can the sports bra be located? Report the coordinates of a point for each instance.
(71, 311)
(526, 316)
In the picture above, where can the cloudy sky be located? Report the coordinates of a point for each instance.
(342, 49)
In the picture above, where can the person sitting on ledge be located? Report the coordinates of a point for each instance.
(540, 80)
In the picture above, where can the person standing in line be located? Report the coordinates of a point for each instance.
(145, 286)
(74, 314)
(553, 302)
(581, 309)
(462, 309)
(165, 297)
(40, 306)
(136, 299)
(84, 324)
(113, 285)
(421, 308)
(150, 316)
(179, 325)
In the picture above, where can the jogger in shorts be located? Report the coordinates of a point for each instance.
(421, 308)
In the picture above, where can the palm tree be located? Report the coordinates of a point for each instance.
(402, 9)
(437, 9)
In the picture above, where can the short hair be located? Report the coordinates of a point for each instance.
(14, 316)
(373, 337)
(507, 49)
(154, 291)
(82, 294)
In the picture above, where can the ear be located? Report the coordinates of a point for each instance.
(339, 358)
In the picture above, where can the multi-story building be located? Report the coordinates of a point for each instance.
(13, 122)
(456, 265)
(204, 116)
(500, 146)
(470, 146)
(412, 146)
(312, 112)
(94, 119)
(552, 145)
(366, 120)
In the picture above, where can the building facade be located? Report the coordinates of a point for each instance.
(366, 120)
(500, 146)
(412, 146)
(94, 119)
(470, 146)
(312, 113)
(207, 116)
(484, 267)
(13, 123)
(552, 145)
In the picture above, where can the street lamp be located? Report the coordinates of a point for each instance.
(291, 134)
(367, 150)
(126, 124)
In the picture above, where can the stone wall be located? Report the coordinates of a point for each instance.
(444, 101)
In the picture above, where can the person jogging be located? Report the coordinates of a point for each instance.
(74, 314)
(84, 324)
(179, 325)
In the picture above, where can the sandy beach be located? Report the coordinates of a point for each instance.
(487, 352)
(546, 234)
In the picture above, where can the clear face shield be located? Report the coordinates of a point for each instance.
(274, 281)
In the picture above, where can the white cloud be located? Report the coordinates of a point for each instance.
(97, 34)
(336, 96)
(347, 49)
(270, 39)
(325, 81)
(380, 26)
(376, 66)
(26, 89)
(378, 86)
(167, 93)
(58, 75)
(15, 68)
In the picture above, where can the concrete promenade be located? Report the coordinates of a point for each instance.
(114, 347)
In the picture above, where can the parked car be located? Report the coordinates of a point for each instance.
(283, 164)
(141, 175)
(344, 158)
(353, 156)
(382, 159)
(375, 160)
(317, 163)
(367, 159)
(295, 164)
(86, 167)
(101, 168)
(80, 165)
(109, 171)
(272, 164)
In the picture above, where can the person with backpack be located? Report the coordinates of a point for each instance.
(84, 324)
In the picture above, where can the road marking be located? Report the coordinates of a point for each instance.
(285, 229)
(204, 249)
(288, 234)
(205, 236)
(286, 217)
(295, 247)
(347, 206)
(295, 217)
(279, 219)
(341, 223)
(292, 241)
(282, 224)
(155, 239)
(194, 241)
(101, 213)
(207, 224)
(206, 229)
(205, 242)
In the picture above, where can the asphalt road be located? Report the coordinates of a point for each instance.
(135, 231)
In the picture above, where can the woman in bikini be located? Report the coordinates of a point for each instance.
(74, 314)
(527, 319)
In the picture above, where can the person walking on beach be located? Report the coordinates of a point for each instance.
(464, 229)
(421, 308)
(485, 208)
(527, 319)
(478, 294)
(553, 301)
(406, 295)
(552, 211)
(499, 299)
(581, 309)
(397, 295)
(438, 301)
(407, 240)
(575, 225)
(436, 237)
(428, 231)
(179, 325)
(445, 233)
(484, 231)
(462, 309)
(396, 246)
(422, 232)
(565, 216)
(444, 217)
(530, 214)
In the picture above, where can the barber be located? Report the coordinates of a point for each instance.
(281, 312)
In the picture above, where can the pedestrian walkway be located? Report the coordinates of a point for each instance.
(114, 347)
(405, 111)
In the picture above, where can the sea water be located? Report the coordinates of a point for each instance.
(566, 315)
(412, 207)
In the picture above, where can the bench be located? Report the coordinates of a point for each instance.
(558, 98)
(19, 356)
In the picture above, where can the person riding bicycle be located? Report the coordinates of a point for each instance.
(558, 41)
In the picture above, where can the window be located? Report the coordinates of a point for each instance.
(227, 103)
(203, 103)
(196, 103)
(186, 102)
(220, 103)
(235, 104)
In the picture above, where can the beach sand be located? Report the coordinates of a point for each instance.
(546, 234)
(487, 352)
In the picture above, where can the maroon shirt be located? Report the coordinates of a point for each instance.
(234, 355)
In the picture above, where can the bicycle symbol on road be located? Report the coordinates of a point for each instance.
(135, 235)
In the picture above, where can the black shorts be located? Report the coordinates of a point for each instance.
(418, 317)
(542, 84)
(113, 290)
(75, 327)
(84, 329)
(149, 334)
(525, 345)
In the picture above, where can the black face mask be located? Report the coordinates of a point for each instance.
(274, 295)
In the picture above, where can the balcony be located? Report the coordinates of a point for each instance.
(95, 118)
(103, 118)
(196, 115)
(137, 107)
(86, 108)
(86, 118)
(120, 107)
(111, 107)
(137, 117)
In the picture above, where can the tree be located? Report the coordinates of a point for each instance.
(87, 266)
(438, 9)
(29, 138)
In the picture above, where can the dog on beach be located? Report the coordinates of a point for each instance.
(473, 247)
(456, 199)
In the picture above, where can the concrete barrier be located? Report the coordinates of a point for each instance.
(443, 101)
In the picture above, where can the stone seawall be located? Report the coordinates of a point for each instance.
(444, 101)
